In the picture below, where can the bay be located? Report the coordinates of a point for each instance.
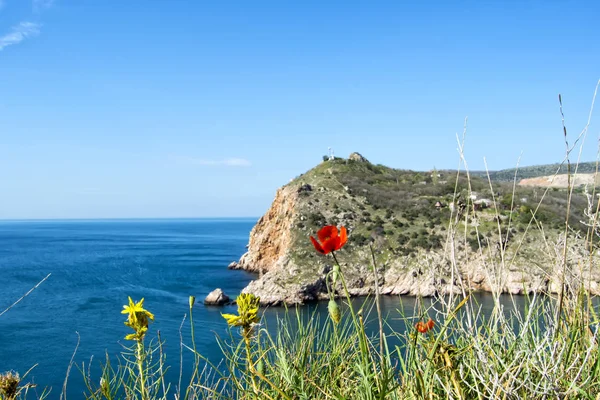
(95, 265)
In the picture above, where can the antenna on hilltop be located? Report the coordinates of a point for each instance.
(330, 153)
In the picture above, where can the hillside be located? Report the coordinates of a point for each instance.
(508, 175)
(423, 225)
(563, 181)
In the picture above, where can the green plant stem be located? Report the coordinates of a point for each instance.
(196, 358)
(357, 324)
(378, 305)
(382, 339)
(140, 363)
(261, 376)
(565, 247)
(249, 363)
(346, 292)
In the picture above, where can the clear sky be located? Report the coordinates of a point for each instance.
(204, 108)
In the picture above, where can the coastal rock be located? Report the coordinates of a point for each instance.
(233, 265)
(271, 237)
(216, 298)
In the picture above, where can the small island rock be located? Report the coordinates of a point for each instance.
(216, 298)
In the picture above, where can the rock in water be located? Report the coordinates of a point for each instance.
(233, 265)
(216, 298)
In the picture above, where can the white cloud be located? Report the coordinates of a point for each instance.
(236, 162)
(227, 162)
(19, 33)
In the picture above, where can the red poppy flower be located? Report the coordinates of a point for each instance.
(424, 327)
(329, 240)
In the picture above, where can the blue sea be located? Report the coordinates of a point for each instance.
(95, 265)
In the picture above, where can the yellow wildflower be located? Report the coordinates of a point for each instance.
(136, 311)
(232, 319)
(247, 317)
(138, 319)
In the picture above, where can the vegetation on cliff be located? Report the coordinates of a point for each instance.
(408, 210)
(416, 221)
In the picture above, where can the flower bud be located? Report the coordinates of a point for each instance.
(260, 366)
(335, 274)
(334, 311)
(104, 388)
(192, 300)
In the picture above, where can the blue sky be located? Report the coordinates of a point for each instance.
(190, 109)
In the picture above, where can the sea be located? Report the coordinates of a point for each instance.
(74, 316)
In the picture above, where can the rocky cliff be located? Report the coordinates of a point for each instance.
(431, 234)
(271, 237)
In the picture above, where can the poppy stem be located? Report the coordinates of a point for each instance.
(335, 259)
(358, 324)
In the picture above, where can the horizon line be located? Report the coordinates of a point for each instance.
(121, 218)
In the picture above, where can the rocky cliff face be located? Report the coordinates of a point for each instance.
(270, 239)
(424, 252)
